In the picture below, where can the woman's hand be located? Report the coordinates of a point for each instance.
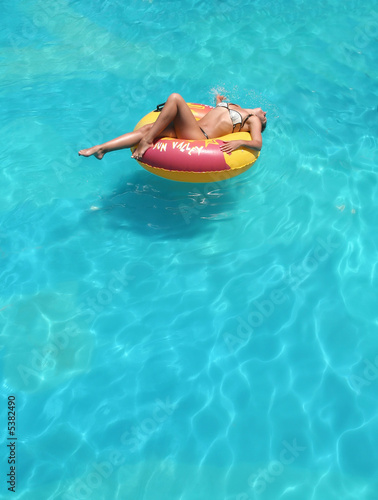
(220, 98)
(230, 146)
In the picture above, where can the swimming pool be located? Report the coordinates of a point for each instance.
(181, 341)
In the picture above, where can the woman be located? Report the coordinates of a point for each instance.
(177, 121)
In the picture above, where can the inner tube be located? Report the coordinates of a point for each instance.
(195, 160)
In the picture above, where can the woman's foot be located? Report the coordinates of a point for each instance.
(96, 150)
(141, 149)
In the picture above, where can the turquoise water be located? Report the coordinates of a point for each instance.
(180, 341)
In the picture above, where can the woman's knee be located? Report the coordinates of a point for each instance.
(175, 97)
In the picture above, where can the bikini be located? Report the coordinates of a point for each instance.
(235, 116)
(204, 133)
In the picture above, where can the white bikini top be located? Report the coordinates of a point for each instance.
(235, 116)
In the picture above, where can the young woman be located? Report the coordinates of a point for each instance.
(177, 121)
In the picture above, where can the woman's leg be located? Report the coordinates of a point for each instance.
(122, 142)
(175, 112)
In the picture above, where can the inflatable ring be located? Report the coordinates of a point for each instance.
(195, 160)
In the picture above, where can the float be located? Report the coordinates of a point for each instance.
(195, 160)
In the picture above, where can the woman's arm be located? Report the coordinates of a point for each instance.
(254, 128)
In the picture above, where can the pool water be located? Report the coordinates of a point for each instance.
(189, 341)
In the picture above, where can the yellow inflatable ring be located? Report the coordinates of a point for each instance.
(198, 160)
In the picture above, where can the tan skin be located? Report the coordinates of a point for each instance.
(177, 121)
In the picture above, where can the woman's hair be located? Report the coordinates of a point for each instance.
(263, 126)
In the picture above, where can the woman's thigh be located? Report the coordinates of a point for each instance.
(185, 125)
